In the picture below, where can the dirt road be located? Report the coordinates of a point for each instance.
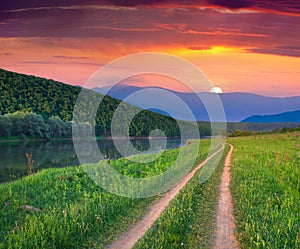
(128, 239)
(225, 227)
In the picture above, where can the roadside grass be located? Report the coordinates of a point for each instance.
(265, 188)
(75, 212)
(189, 221)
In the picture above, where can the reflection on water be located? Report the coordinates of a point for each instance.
(55, 154)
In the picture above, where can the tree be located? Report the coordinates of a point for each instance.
(5, 127)
(28, 124)
(82, 129)
(57, 127)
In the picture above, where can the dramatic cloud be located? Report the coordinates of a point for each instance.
(280, 6)
(233, 4)
(70, 39)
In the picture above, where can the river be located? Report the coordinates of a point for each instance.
(56, 154)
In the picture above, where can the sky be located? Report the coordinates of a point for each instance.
(240, 45)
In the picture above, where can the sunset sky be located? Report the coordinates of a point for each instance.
(241, 45)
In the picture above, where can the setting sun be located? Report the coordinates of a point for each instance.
(216, 90)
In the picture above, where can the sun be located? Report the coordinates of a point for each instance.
(216, 90)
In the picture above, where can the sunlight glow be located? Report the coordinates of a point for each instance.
(221, 50)
(216, 50)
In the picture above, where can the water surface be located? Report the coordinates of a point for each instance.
(56, 154)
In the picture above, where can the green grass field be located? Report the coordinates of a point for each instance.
(265, 188)
(75, 212)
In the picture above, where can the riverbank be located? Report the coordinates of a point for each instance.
(59, 153)
(74, 211)
(18, 139)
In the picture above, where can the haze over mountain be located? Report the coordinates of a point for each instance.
(237, 106)
(281, 117)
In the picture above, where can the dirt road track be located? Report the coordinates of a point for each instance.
(225, 227)
(127, 240)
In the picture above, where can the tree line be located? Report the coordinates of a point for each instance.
(246, 132)
(30, 125)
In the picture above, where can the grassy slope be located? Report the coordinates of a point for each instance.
(265, 188)
(76, 213)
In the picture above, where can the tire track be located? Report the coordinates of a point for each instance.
(128, 240)
(225, 227)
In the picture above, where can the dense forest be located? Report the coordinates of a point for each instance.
(36, 107)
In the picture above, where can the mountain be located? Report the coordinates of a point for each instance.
(237, 106)
(281, 117)
(49, 98)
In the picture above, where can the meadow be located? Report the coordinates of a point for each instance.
(265, 187)
(68, 210)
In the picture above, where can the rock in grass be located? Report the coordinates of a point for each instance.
(30, 208)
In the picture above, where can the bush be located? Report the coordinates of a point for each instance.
(5, 127)
(29, 124)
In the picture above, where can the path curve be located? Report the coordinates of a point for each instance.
(225, 227)
(128, 240)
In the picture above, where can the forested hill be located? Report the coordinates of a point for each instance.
(50, 98)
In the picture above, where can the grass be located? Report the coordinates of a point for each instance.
(265, 188)
(12, 138)
(75, 212)
(189, 221)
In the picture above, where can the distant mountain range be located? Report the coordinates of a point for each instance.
(281, 117)
(50, 98)
(238, 106)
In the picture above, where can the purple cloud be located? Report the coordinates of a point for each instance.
(281, 50)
